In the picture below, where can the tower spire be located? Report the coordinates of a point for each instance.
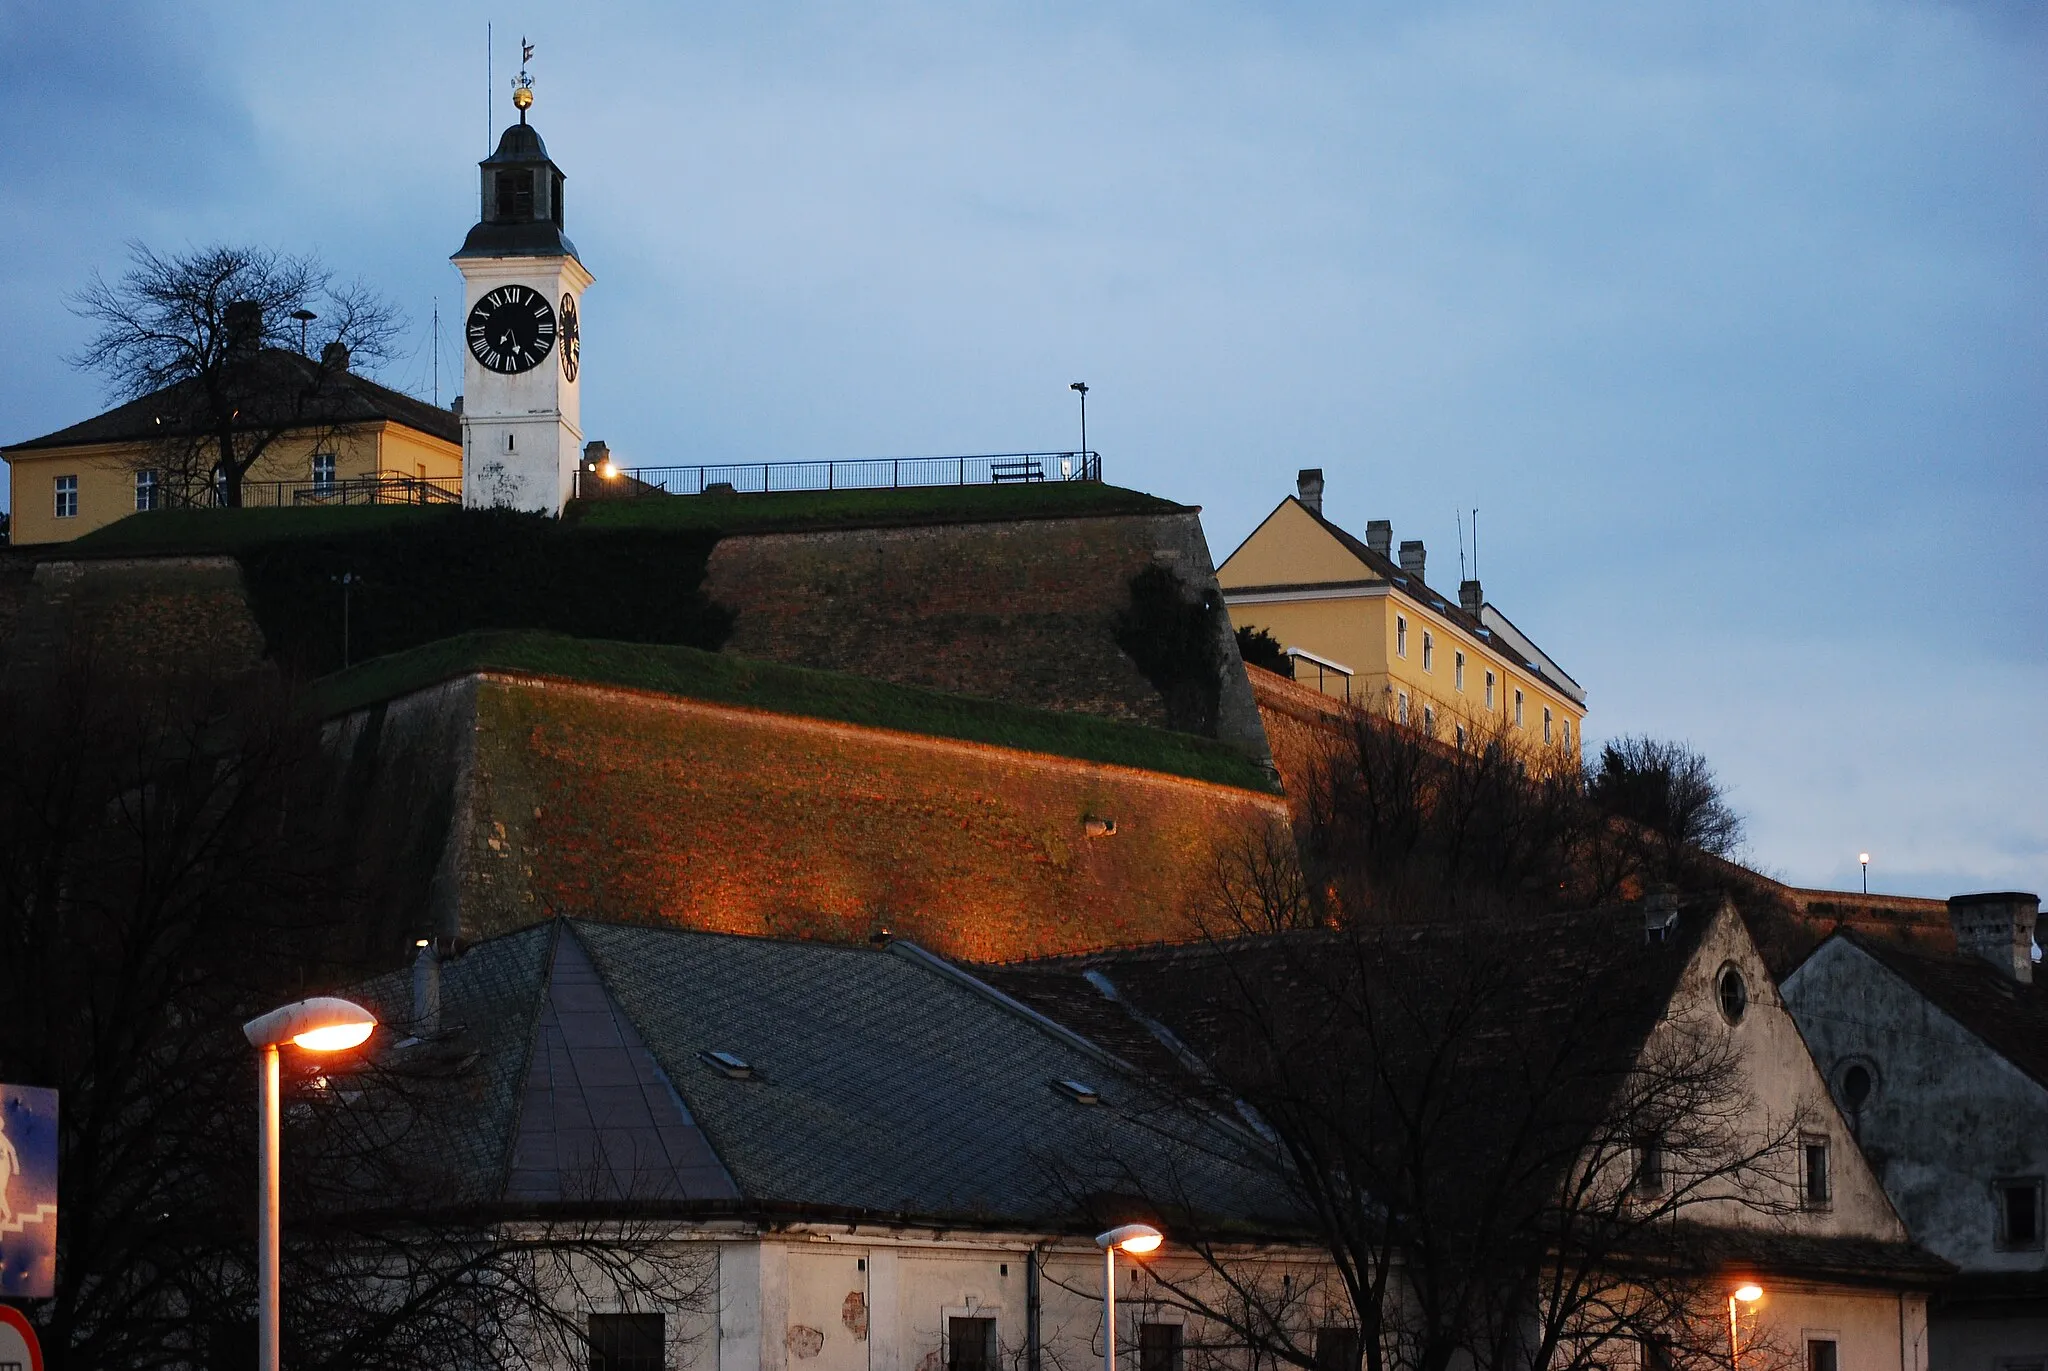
(522, 85)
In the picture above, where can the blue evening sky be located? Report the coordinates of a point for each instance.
(1729, 318)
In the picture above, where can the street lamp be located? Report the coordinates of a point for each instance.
(1748, 1293)
(1138, 1239)
(1081, 388)
(1864, 858)
(304, 316)
(324, 1024)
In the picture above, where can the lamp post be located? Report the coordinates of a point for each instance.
(1138, 1239)
(1864, 858)
(305, 316)
(1748, 1293)
(323, 1024)
(1081, 388)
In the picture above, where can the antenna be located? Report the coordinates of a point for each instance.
(1459, 515)
(1475, 542)
(437, 352)
(490, 93)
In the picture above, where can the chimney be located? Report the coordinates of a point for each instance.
(1469, 598)
(426, 992)
(455, 406)
(1379, 536)
(1411, 557)
(1999, 928)
(1308, 486)
(335, 356)
(596, 454)
(244, 325)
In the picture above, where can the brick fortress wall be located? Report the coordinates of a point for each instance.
(1022, 610)
(627, 806)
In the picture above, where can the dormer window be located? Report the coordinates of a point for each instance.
(514, 194)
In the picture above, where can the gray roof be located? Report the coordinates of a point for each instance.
(885, 1084)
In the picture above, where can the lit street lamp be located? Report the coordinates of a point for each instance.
(1864, 858)
(1748, 1293)
(1138, 1239)
(324, 1024)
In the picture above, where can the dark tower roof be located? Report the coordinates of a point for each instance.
(521, 201)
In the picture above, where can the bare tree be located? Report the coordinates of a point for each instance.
(1507, 1153)
(1669, 790)
(166, 872)
(212, 337)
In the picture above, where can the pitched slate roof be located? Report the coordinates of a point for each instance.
(356, 400)
(883, 1084)
(2010, 1017)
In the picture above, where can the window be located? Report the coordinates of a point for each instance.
(515, 195)
(1813, 1153)
(1461, 735)
(1567, 733)
(1546, 723)
(1429, 720)
(1855, 1083)
(148, 495)
(1820, 1354)
(1158, 1347)
(1400, 635)
(1650, 1165)
(2019, 1214)
(1518, 709)
(1733, 993)
(1458, 670)
(1337, 1349)
(1401, 707)
(625, 1342)
(323, 470)
(1489, 690)
(67, 497)
(970, 1344)
(508, 443)
(1428, 650)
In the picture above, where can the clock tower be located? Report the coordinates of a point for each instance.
(522, 421)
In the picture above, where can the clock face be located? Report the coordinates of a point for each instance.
(572, 338)
(511, 329)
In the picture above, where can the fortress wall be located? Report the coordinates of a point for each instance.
(158, 612)
(616, 804)
(1023, 610)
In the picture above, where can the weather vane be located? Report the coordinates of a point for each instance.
(522, 86)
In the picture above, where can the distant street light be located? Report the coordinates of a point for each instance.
(1081, 388)
(324, 1024)
(348, 581)
(1864, 858)
(1138, 1239)
(1748, 1293)
(305, 317)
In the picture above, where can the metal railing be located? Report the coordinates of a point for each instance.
(864, 473)
(385, 488)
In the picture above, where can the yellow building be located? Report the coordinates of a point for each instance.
(374, 446)
(1358, 623)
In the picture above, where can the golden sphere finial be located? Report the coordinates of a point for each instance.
(522, 98)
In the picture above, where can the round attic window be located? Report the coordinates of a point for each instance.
(1855, 1084)
(1733, 993)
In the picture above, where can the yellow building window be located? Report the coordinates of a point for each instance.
(1546, 723)
(1518, 709)
(67, 497)
(1428, 651)
(1458, 670)
(1489, 691)
(1400, 635)
(1401, 707)
(1429, 720)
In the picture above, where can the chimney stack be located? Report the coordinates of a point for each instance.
(335, 356)
(426, 992)
(244, 323)
(596, 454)
(1411, 557)
(1379, 536)
(1308, 485)
(1469, 598)
(1999, 928)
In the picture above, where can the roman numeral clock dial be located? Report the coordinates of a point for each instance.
(512, 329)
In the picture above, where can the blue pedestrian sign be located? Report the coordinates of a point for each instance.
(28, 1192)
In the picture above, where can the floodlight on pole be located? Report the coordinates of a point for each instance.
(1749, 1292)
(1864, 859)
(322, 1024)
(1138, 1239)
